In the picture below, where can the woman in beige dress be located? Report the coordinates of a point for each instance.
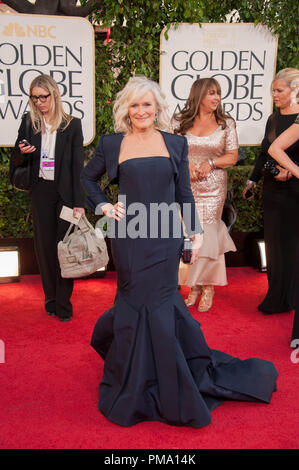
(213, 146)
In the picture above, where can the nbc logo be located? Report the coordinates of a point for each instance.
(40, 31)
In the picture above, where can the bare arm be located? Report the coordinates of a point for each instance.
(228, 159)
(230, 155)
(276, 150)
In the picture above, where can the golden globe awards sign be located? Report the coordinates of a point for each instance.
(240, 56)
(62, 47)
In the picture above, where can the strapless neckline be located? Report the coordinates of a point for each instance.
(142, 158)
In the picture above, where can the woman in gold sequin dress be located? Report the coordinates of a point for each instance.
(213, 146)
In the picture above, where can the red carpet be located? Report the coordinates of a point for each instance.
(49, 380)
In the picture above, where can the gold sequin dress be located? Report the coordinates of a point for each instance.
(210, 194)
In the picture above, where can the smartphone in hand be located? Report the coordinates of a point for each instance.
(24, 142)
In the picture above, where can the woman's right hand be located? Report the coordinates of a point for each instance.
(26, 148)
(193, 172)
(115, 211)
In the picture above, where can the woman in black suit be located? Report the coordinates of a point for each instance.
(158, 365)
(55, 146)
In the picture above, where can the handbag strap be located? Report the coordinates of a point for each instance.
(85, 227)
(66, 236)
(87, 231)
(84, 224)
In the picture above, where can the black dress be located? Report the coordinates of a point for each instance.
(295, 330)
(281, 221)
(158, 366)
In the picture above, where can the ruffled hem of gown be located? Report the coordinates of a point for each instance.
(216, 240)
(158, 367)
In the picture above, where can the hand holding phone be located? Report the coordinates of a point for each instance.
(26, 147)
(25, 142)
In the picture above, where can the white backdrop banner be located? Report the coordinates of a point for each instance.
(62, 47)
(240, 56)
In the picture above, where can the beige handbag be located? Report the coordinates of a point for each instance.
(82, 252)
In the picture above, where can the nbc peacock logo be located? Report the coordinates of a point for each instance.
(13, 29)
(39, 31)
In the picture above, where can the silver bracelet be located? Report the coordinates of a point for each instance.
(252, 183)
(211, 163)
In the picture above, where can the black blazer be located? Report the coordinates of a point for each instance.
(69, 160)
(106, 158)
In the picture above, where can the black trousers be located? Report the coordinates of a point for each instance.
(49, 229)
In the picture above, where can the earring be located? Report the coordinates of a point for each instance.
(129, 121)
(295, 89)
(156, 118)
(294, 99)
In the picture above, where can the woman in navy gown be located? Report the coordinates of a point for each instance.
(158, 366)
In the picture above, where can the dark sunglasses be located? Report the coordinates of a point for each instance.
(41, 98)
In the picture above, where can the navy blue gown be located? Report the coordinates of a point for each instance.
(158, 366)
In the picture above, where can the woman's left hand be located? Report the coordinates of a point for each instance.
(78, 210)
(283, 175)
(204, 169)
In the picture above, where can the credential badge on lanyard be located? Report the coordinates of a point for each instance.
(47, 162)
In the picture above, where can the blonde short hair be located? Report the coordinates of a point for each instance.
(58, 115)
(288, 75)
(137, 87)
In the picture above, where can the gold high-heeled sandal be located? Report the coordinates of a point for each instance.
(206, 299)
(195, 291)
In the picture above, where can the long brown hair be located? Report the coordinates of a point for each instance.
(58, 115)
(198, 91)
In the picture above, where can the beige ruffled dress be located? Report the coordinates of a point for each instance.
(210, 194)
